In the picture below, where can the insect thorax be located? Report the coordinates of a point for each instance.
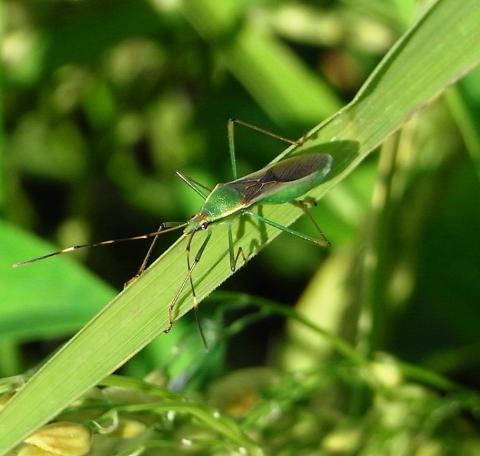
(223, 201)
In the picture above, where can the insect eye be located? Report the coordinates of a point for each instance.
(204, 225)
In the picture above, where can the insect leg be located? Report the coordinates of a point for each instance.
(144, 264)
(194, 295)
(145, 260)
(305, 205)
(231, 146)
(171, 306)
(231, 250)
(261, 130)
(306, 237)
(231, 140)
(188, 278)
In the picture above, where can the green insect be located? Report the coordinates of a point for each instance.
(278, 183)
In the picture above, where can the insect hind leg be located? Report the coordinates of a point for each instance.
(307, 202)
(305, 205)
(322, 242)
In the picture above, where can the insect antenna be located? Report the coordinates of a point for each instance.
(164, 228)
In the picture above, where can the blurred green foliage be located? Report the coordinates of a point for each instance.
(102, 102)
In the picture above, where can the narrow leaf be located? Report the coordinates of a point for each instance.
(419, 67)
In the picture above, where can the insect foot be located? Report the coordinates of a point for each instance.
(169, 327)
(309, 202)
(131, 281)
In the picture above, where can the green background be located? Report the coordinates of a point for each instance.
(102, 102)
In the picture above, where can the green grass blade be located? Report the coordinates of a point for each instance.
(421, 65)
(293, 94)
(467, 125)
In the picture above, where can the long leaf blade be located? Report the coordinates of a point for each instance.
(422, 64)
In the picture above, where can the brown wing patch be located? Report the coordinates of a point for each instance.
(263, 181)
(295, 168)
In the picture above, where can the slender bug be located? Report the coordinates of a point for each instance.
(278, 183)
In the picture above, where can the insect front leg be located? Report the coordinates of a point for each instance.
(147, 257)
(189, 278)
(161, 229)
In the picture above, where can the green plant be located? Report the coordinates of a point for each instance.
(417, 69)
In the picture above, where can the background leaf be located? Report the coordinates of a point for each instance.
(417, 69)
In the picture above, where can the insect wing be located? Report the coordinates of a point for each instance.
(299, 167)
(276, 177)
